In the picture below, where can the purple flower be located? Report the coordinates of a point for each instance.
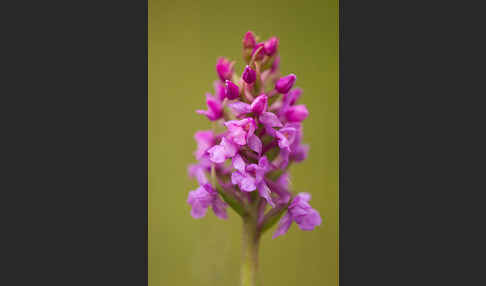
(285, 137)
(224, 69)
(258, 124)
(224, 150)
(203, 197)
(270, 46)
(284, 84)
(299, 153)
(249, 75)
(215, 108)
(232, 91)
(251, 177)
(249, 40)
(204, 140)
(259, 105)
(301, 213)
(239, 131)
(296, 113)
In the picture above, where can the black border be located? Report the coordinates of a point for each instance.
(405, 143)
(77, 140)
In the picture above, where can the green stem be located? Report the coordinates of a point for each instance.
(249, 266)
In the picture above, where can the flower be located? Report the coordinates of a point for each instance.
(301, 213)
(231, 90)
(270, 46)
(239, 131)
(224, 69)
(219, 153)
(249, 40)
(259, 104)
(284, 84)
(259, 140)
(215, 108)
(204, 197)
(249, 75)
(296, 113)
(285, 137)
(251, 177)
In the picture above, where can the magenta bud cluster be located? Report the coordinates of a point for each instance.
(257, 134)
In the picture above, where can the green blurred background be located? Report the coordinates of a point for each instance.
(185, 39)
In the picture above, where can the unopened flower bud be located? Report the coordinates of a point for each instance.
(284, 84)
(270, 46)
(224, 68)
(249, 75)
(232, 91)
(296, 113)
(249, 40)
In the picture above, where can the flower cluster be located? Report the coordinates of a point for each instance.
(257, 134)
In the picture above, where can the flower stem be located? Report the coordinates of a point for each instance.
(251, 238)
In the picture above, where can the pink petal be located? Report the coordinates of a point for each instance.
(283, 225)
(217, 154)
(238, 163)
(270, 119)
(304, 196)
(248, 184)
(229, 147)
(255, 143)
(236, 178)
(240, 108)
(219, 208)
(264, 192)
